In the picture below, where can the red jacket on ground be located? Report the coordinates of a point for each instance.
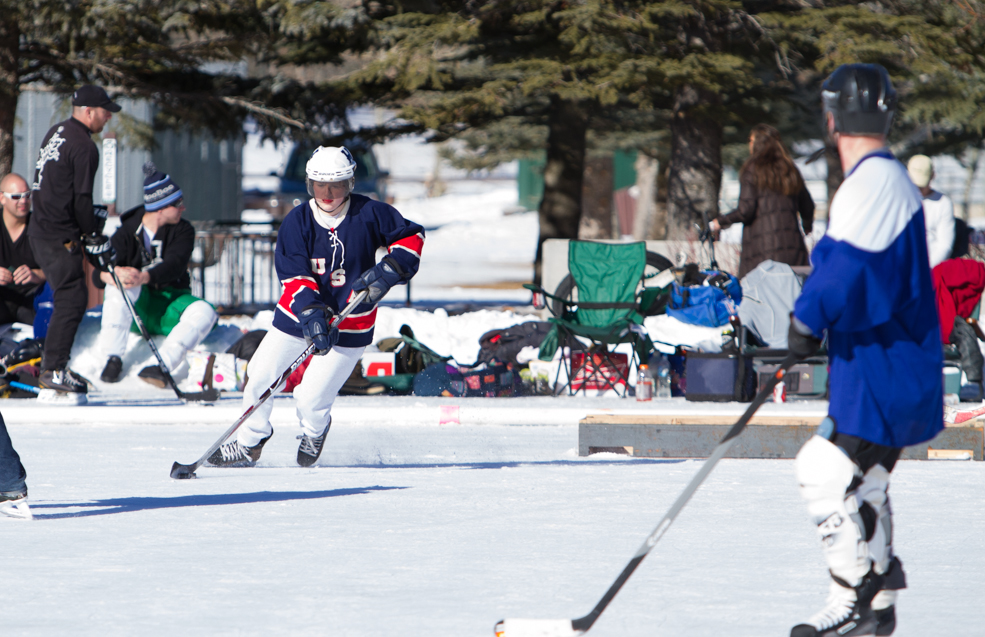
(958, 284)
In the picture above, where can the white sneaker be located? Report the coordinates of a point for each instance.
(15, 505)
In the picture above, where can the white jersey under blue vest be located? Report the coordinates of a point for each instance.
(871, 290)
(318, 260)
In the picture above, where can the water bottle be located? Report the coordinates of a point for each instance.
(663, 378)
(644, 384)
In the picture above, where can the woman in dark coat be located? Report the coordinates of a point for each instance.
(771, 194)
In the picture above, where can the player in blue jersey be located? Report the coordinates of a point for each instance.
(871, 291)
(326, 254)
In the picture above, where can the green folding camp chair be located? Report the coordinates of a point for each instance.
(606, 313)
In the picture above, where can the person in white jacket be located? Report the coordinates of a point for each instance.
(937, 209)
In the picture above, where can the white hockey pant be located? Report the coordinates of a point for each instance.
(315, 395)
(195, 324)
(840, 500)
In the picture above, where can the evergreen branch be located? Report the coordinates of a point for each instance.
(253, 107)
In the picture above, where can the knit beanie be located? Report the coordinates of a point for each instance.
(159, 189)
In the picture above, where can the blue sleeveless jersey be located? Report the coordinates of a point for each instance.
(319, 265)
(871, 290)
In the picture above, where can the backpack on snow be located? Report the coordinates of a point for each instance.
(503, 345)
(709, 303)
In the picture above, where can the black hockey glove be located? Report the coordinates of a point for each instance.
(379, 279)
(99, 251)
(100, 213)
(800, 340)
(315, 320)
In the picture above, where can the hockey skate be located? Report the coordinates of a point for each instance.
(14, 504)
(310, 448)
(233, 454)
(848, 612)
(62, 386)
(113, 371)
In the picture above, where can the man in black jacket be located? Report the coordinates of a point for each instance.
(65, 225)
(20, 276)
(153, 246)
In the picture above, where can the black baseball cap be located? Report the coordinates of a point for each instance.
(91, 95)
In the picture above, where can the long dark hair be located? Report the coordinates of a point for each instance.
(769, 163)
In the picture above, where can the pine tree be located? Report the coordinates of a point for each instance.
(185, 56)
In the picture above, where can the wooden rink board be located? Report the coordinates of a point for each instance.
(764, 437)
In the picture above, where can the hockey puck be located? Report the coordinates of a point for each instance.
(184, 476)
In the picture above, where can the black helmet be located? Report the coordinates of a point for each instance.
(862, 99)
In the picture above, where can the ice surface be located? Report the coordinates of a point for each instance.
(441, 530)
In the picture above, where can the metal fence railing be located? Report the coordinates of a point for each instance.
(233, 267)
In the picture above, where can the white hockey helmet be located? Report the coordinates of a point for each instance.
(330, 163)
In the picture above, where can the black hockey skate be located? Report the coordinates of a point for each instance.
(233, 454)
(310, 448)
(113, 371)
(848, 612)
(63, 380)
(885, 621)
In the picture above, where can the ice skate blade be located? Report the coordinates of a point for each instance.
(536, 628)
(17, 509)
(55, 397)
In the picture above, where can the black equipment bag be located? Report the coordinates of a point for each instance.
(720, 377)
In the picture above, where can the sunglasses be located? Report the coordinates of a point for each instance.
(17, 196)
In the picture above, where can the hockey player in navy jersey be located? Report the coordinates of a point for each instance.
(326, 254)
(871, 292)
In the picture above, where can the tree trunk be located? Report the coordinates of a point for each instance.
(645, 223)
(695, 178)
(9, 91)
(596, 204)
(560, 209)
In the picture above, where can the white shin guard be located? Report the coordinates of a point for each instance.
(825, 474)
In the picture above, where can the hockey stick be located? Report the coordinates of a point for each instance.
(184, 471)
(953, 416)
(209, 395)
(572, 627)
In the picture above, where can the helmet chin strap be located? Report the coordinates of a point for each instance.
(342, 203)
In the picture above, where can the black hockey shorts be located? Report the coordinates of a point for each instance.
(63, 265)
(863, 453)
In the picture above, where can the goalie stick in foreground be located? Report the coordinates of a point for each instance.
(571, 627)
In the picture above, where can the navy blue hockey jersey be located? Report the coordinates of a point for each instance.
(316, 264)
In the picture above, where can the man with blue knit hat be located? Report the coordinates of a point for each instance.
(153, 246)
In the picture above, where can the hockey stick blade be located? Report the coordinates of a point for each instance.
(567, 627)
(186, 471)
(210, 395)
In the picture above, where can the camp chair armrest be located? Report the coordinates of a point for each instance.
(533, 287)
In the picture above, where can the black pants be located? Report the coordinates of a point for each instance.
(16, 308)
(963, 335)
(62, 264)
